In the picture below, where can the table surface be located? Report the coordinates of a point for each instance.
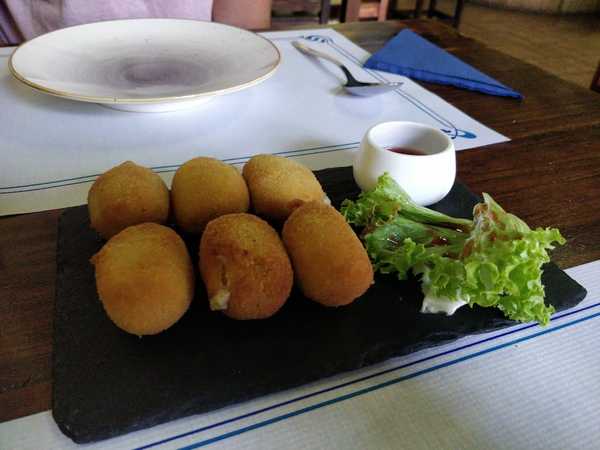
(549, 175)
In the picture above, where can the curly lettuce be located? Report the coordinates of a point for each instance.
(494, 260)
(386, 200)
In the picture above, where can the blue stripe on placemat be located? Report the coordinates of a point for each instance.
(556, 317)
(360, 392)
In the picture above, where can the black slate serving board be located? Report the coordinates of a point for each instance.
(107, 382)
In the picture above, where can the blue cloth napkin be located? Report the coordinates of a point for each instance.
(410, 55)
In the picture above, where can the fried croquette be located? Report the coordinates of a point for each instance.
(145, 278)
(330, 264)
(127, 195)
(206, 188)
(244, 265)
(278, 185)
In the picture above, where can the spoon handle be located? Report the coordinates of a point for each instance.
(311, 51)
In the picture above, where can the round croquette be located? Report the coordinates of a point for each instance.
(204, 189)
(330, 264)
(245, 267)
(278, 185)
(145, 278)
(127, 195)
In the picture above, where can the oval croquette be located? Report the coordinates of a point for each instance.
(127, 195)
(204, 189)
(278, 185)
(330, 264)
(245, 267)
(145, 278)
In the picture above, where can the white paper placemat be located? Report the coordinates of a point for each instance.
(52, 149)
(524, 387)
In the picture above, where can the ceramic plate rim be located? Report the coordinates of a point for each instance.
(152, 100)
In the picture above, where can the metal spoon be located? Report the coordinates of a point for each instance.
(353, 86)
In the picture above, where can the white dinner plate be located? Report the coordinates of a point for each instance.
(145, 64)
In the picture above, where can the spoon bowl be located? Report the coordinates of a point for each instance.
(352, 85)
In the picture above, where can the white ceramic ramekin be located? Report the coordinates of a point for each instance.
(426, 178)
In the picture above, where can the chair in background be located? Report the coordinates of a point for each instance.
(595, 86)
(433, 12)
(295, 11)
(291, 11)
(353, 10)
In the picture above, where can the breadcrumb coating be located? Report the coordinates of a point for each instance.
(330, 264)
(127, 195)
(145, 278)
(279, 185)
(204, 189)
(244, 265)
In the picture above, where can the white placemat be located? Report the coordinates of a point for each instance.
(52, 149)
(524, 387)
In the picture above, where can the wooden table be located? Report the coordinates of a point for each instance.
(549, 174)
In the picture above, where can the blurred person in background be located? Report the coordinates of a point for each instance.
(21, 20)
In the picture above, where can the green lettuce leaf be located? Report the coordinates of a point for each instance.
(495, 260)
(388, 199)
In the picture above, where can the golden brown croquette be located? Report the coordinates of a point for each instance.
(330, 264)
(279, 185)
(127, 195)
(145, 278)
(245, 267)
(206, 188)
